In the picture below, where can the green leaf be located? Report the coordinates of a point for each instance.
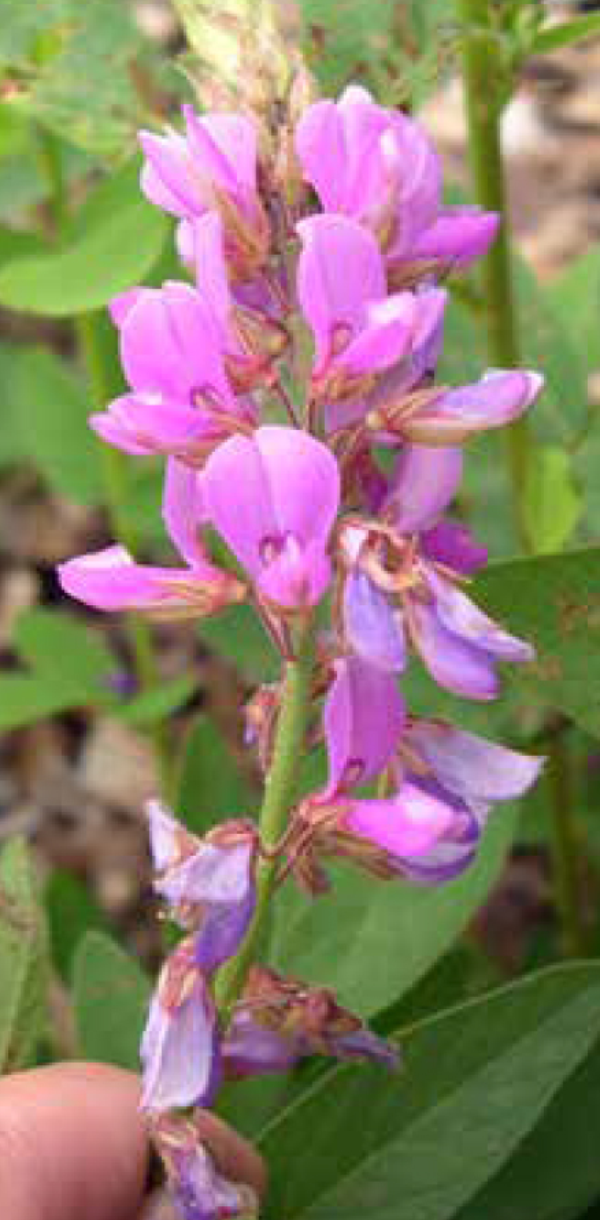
(372, 942)
(552, 504)
(116, 249)
(72, 911)
(475, 1083)
(83, 70)
(48, 408)
(237, 635)
(63, 650)
(23, 960)
(211, 786)
(563, 35)
(349, 34)
(25, 699)
(553, 601)
(556, 1169)
(111, 993)
(155, 705)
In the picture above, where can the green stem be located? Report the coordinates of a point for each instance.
(115, 478)
(482, 69)
(565, 846)
(47, 150)
(280, 791)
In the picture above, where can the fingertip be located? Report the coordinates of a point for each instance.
(72, 1144)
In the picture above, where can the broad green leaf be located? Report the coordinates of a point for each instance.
(211, 786)
(556, 1169)
(553, 601)
(72, 911)
(154, 705)
(237, 635)
(111, 994)
(47, 408)
(372, 942)
(474, 1084)
(552, 504)
(24, 973)
(115, 250)
(25, 699)
(564, 34)
(63, 649)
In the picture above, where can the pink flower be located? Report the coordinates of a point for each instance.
(274, 498)
(111, 580)
(360, 332)
(378, 167)
(173, 352)
(213, 167)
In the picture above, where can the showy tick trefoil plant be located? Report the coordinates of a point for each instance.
(289, 379)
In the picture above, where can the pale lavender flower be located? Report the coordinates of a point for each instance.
(435, 415)
(181, 400)
(111, 580)
(209, 884)
(180, 1045)
(274, 499)
(378, 166)
(213, 167)
(394, 593)
(198, 1189)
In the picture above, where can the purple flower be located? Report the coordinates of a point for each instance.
(209, 883)
(181, 400)
(212, 168)
(359, 330)
(378, 167)
(274, 499)
(438, 416)
(394, 593)
(199, 1190)
(363, 719)
(468, 773)
(280, 1021)
(111, 580)
(180, 1045)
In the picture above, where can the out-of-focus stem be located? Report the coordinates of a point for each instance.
(482, 70)
(565, 847)
(280, 791)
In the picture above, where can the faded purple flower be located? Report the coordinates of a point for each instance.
(198, 1189)
(274, 499)
(180, 1045)
(213, 167)
(282, 1020)
(209, 883)
(111, 580)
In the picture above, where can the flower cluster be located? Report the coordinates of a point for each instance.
(290, 381)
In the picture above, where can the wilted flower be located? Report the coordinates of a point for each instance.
(198, 1189)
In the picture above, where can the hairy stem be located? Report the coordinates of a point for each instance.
(482, 69)
(280, 791)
